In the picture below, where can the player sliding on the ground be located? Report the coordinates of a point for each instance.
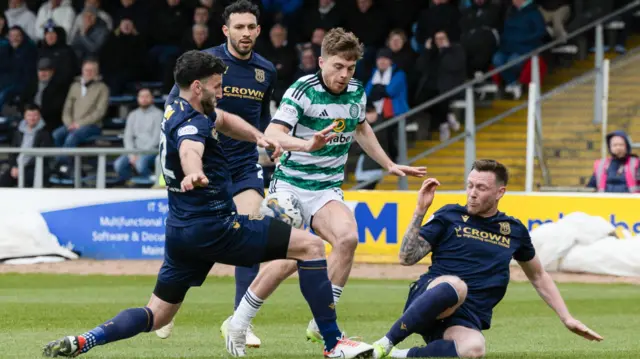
(329, 98)
(203, 226)
(471, 249)
(247, 85)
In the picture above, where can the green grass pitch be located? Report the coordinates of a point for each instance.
(35, 309)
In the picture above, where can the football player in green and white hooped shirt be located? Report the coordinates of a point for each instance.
(330, 104)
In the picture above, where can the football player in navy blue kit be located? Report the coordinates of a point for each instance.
(471, 248)
(247, 85)
(203, 226)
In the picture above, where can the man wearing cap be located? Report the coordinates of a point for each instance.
(49, 93)
(387, 89)
(91, 36)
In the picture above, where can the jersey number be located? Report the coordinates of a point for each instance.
(259, 171)
(163, 157)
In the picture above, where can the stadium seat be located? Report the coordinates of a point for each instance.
(114, 123)
(143, 181)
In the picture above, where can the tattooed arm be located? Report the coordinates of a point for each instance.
(413, 247)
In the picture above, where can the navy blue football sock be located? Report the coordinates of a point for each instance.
(423, 311)
(435, 349)
(126, 324)
(316, 289)
(244, 278)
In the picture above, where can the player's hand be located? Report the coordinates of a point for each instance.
(582, 330)
(426, 194)
(270, 144)
(194, 180)
(321, 138)
(400, 170)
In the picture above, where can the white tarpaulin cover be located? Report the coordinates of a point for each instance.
(582, 243)
(25, 236)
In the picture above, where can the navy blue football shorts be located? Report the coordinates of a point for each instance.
(191, 251)
(463, 316)
(246, 177)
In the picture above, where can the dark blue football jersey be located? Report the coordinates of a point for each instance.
(247, 86)
(181, 122)
(479, 251)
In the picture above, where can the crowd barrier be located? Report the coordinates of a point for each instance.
(129, 224)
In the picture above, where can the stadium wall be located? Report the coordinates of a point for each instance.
(129, 224)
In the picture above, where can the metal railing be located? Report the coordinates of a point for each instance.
(77, 153)
(470, 127)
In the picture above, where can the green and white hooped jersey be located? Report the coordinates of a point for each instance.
(308, 107)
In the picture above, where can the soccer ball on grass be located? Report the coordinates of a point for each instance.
(284, 206)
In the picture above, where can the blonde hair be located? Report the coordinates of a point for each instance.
(340, 42)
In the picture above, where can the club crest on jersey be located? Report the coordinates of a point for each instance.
(341, 124)
(214, 133)
(260, 76)
(505, 228)
(354, 111)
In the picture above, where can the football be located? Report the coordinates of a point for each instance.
(284, 206)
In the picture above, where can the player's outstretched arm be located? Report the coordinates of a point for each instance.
(548, 291)
(237, 128)
(191, 161)
(369, 142)
(414, 247)
(289, 143)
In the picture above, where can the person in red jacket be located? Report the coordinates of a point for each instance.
(619, 173)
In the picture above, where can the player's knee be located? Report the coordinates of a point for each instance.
(347, 241)
(472, 349)
(315, 249)
(458, 284)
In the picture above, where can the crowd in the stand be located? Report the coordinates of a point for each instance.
(62, 60)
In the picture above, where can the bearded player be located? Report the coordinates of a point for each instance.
(247, 86)
(472, 247)
(328, 99)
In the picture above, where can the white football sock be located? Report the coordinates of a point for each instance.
(337, 292)
(247, 310)
(399, 353)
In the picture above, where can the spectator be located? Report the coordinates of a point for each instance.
(49, 94)
(403, 56)
(19, 15)
(619, 173)
(326, 16)
(316, 40)
(308, 63)
(92, 36)
(18, 59)
(56, 13)
(142, 132)
(84, 108)
(136, 12)
(370, 24)
(120, 70)
(524, 31)
(4, 28)
(556, 13)
(169, 24)
(480, 36)
(31, 133)
(286, 12)
(387, 89)
(366, 168)
(54, 47)
(284, 58)
(442, 15)
(201, 16)
(79, 22)
(199, 39)
(403, 14)
(441, 68)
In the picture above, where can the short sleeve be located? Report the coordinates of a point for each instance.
(196, 129)
(526, 251)
(434, 229)
(363, 108)
(291, 107)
